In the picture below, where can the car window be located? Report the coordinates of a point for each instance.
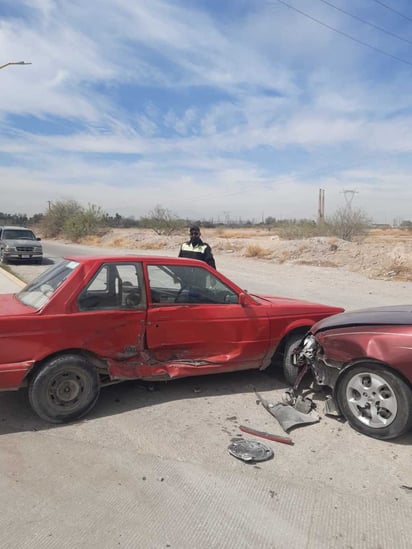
(181, 284)
(18, 234)
(40, 290)
(115, 286)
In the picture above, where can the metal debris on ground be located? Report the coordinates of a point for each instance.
(250, 451)
(287, 416)
(267, 436)
(331, 408)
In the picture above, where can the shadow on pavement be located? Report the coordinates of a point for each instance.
(17, 416)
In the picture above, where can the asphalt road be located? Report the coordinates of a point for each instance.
(149, 467)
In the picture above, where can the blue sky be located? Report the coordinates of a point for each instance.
(210, 108)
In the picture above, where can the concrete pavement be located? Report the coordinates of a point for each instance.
(9, 284)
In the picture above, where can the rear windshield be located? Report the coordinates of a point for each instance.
(18, 234)
(40, 290)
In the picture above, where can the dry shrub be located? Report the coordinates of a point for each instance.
(91, 240)
(157, 245)
(254, 250)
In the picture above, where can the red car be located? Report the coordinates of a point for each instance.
(90, 321)
(366, 358)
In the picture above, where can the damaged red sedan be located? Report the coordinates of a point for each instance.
(366, 358)
(91, 321)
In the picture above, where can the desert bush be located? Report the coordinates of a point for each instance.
(162, 221)
(297, 230)
(254, 250)
(347, 224)
(84, 223)
(58, 214)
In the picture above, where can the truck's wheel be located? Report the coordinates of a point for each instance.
(65, 388)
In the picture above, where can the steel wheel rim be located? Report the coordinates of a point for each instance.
(372, 400)
(69, 390)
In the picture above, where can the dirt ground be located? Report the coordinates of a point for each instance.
(383, 254)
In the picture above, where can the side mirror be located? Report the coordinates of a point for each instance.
(242, 299)
(38, 238)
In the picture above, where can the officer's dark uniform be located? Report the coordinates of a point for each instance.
(195, 248)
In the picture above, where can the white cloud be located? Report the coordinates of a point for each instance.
(128, 104)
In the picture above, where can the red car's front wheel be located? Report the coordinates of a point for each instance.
(64, 389)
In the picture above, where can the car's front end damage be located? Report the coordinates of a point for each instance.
(311, 355)
(364, 357)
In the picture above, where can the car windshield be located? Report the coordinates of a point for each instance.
(40, 290)
(18, 234)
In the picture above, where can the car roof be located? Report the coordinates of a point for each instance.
(153, 259)
(15, 227)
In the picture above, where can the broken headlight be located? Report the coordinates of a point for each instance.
(309, 346)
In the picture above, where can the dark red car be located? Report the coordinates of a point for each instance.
(366, 358)
(90, 321)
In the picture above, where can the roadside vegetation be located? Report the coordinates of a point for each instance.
(71, 220)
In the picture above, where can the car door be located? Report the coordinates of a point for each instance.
(111, 315)
(196, 323)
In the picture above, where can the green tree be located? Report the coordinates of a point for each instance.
(90, 221)
(58, 214)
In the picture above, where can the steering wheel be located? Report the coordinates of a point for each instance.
(179, 293)
(132, 300)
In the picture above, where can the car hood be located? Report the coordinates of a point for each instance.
(11, 306)
(21, 242)
(290, 304)
(378, 316)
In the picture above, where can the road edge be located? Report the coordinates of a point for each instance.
(13, 277)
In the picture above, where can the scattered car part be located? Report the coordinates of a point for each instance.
(304, 404)
(250, 450)
(286, 415)
(267, 436)
(331, 408)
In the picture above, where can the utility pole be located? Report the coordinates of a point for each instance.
(321, 206)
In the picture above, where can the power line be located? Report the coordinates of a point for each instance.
(381, 29)
(344, 33)
(391, 9)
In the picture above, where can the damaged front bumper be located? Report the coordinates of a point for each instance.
(310, 354)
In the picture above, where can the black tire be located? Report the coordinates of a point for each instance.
(64, 389)
(375, 401)
(290, 371)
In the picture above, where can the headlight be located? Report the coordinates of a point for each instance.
(309, 343)
(37, 249)
(10, 249)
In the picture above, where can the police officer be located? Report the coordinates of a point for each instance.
(195, 248)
